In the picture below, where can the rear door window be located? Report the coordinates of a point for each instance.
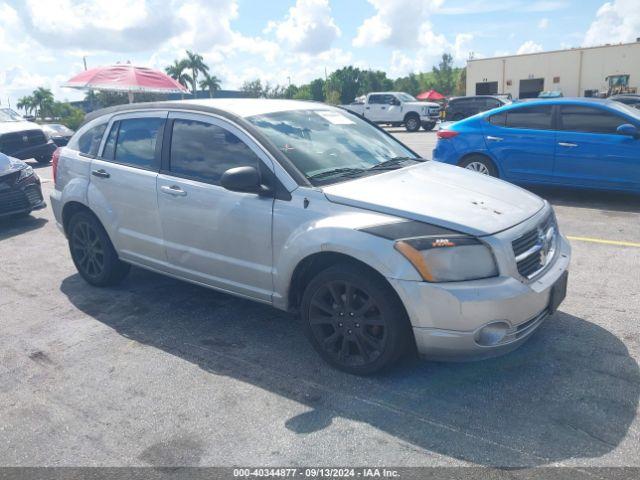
(203, 151)
(531, 118)
(576, 118)
(499, 119)
(136, 142)
(376, 99)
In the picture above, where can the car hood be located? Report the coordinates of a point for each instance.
(10, 127)
(442, 195)
(10, 164)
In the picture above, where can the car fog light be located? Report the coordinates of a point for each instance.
(491, 334)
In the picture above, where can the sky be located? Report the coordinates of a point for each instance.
(43, 42)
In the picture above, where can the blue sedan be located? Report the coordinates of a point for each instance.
(582, 142)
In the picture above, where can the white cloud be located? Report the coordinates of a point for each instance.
(308, 27)
(615, 22)
(111, 25)
(397, 23)
(543, 23)
(529, 47)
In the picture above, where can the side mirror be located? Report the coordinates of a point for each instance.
(243, 179)
(628, 129)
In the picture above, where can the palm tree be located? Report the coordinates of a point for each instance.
(43, 99)
(211, 83)
(177, 72)
(195, 62)
(27, 104)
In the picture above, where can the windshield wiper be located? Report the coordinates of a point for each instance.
(341, 172)
(395, 162)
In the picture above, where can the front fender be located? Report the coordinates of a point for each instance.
(337, 233)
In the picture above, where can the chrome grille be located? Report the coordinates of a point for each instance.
(536, 248)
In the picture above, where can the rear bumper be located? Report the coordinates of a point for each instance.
(447, 317)
(445, 152)
(38, 151)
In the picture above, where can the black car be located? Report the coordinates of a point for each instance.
(459, 108)
(628, 99)
(60, 134)
(20, 190)
(22, 139)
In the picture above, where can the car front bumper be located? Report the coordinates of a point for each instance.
(429, 118)
(447, 317)
(21, 197)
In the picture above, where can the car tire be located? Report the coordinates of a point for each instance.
(92, 251)
(428, 126)
(480, 164)
(44, 159)
(354, 320)
(412, 123)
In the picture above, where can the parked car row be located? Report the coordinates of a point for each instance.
(280, 201)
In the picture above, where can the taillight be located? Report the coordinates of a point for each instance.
(54, 163)
(447, 134)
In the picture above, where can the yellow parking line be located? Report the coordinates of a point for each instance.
(606, 242)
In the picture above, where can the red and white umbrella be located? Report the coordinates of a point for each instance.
(430, 95)
(125, 78)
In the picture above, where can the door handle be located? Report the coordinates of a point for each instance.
(494, 139)
(174, 190)
(566, 144)
(367, 108)
(102, 173)
(383, 108)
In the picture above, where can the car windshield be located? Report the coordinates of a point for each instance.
(329, 145)
(405, 97)
(8, 115)
(57, 129)
(627, 109)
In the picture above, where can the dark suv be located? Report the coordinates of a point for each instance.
(22, 139)
(630, 99)
(459, 108)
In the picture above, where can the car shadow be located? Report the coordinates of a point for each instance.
(17, 225)
(595, 199)
(571, 392)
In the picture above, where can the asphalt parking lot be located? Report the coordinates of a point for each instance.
(160, 372)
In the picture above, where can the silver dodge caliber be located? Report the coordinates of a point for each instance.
(312, 209)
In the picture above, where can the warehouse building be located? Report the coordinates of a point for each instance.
(577, 72)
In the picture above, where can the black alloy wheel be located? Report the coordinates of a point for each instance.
(354, 321)
(93, 253)
(87, 250)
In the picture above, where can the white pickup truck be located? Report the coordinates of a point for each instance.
(397, 108)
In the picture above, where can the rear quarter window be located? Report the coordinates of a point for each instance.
(88, 141)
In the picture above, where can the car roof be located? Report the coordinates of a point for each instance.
(237, 107)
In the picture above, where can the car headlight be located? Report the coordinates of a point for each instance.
(26, 172)
(448, 259)
(425, 110)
